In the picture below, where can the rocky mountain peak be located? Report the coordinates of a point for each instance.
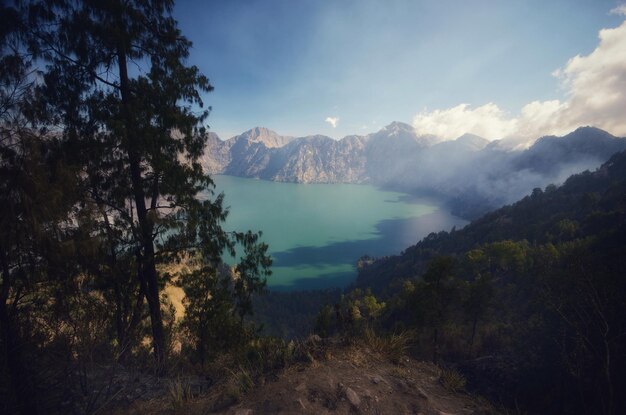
(399, 131)
(397, 128)
(269, 138)
(472, 140)
(589, 133)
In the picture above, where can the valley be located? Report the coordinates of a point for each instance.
(425, 212)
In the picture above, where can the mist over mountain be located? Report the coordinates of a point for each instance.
(472, 173)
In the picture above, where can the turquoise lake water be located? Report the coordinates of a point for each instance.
(316, 232)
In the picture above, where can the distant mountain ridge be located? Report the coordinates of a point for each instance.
(262, 153)
(475, 174)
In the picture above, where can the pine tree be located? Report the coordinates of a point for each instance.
(132, 116)
(36, 197)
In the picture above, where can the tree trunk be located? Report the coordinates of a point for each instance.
(135, 317)
(146, 227)
(119, 306)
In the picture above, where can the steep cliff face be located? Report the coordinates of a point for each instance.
(320, 159)
(246, 155)
(248, 158)
(216, 155)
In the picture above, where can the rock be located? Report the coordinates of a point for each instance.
(422, 394)
(315, 338)
(401, 384)
(301, 387)
(353, 397)
(332, 383)
(377, 379)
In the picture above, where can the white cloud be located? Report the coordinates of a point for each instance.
(488, 121)
(595, 86)
(332, 121)
(621, 10)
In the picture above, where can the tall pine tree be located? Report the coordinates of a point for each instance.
(131, 114)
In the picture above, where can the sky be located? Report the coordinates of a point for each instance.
(517, 69)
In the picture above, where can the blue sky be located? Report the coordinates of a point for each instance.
(288, 65)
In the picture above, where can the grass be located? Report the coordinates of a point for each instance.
(452, 380)
(392, 347)
(179, 392)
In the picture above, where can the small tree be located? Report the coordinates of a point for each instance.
(435, 296)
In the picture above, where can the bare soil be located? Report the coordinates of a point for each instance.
(343, 380)
(356, 381)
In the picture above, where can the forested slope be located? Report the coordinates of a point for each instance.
(528, 301)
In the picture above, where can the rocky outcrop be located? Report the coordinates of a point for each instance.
(358, 381)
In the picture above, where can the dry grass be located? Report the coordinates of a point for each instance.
(179, 393)
(392, 347)
(452, 380)
(174, 293)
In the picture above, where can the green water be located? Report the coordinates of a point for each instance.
(316, 232)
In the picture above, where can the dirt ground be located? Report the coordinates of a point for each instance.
(342, 380)
(353, 381)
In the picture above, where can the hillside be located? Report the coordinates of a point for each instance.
(581, 199)
(338, 378)
(527, 301)
(357, 380)
(473, 174)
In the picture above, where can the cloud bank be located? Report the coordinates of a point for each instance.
(595, 87)
(332, 121)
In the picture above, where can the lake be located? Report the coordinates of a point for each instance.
(316, 232)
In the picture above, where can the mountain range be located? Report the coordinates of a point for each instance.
(472, 173)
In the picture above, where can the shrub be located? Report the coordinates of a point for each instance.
(452, 380)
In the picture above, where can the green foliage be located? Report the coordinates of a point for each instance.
(356, 312)
(251, 271)
(210, 323)
(373, 308)
(324, 320)
(268, 354)
(292, 314)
